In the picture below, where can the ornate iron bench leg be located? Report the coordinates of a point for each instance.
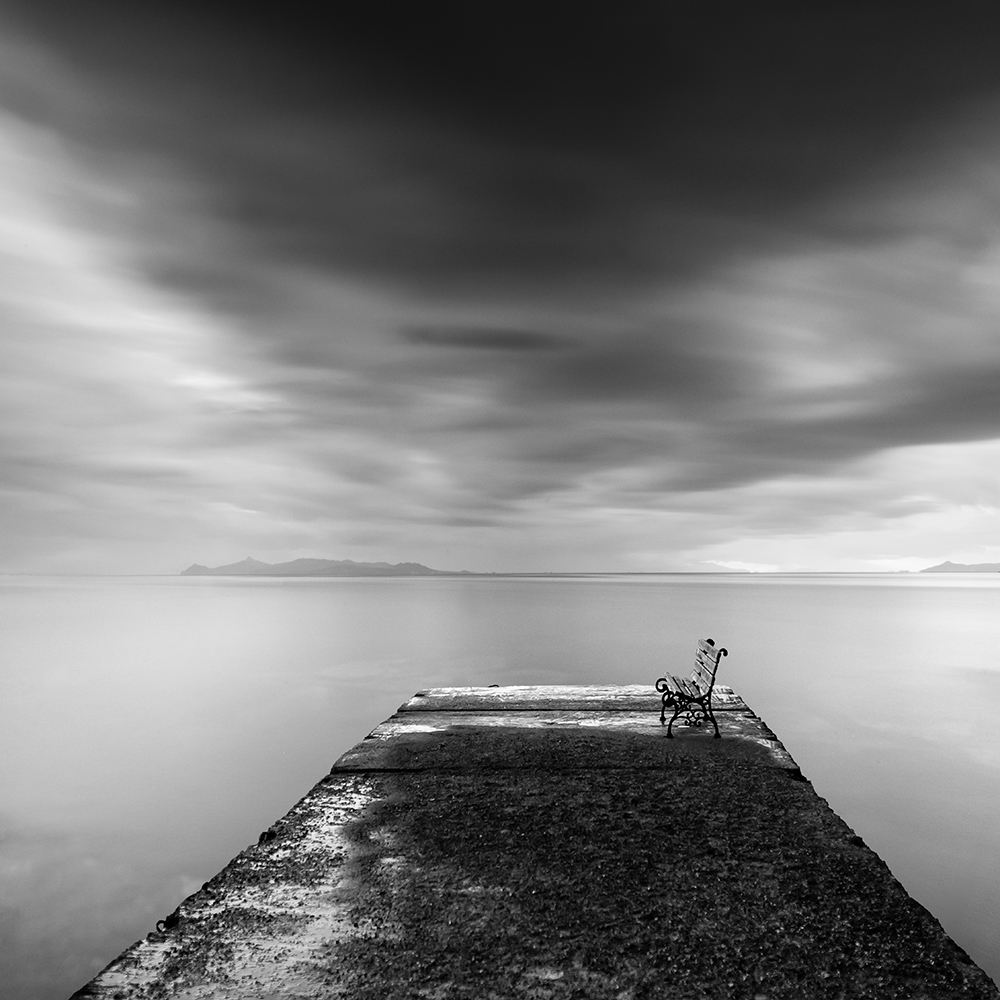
(678, 705)
(711, 715)
(666, 698)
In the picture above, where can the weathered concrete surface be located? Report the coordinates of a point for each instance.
(550, 842)
(522, 698)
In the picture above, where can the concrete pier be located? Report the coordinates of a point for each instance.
(551, 842)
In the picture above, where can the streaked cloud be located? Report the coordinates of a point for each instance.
(672, 288)
(482, 339)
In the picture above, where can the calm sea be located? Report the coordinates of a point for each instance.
(151, 727)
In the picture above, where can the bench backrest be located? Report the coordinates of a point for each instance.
(706, 662)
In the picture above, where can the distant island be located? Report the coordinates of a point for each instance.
(318, 567)
(950, 567)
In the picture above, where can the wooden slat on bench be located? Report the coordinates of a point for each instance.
(685, 686)
(693, 689)
(705, 664)
(706, 654)
(702, 677)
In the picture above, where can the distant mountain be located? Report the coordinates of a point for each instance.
(316, 567)
(950, 567)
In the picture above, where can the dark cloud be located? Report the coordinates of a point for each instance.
(454, 145)
(484, 338)
(664, 367)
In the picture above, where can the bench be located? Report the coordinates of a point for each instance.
(692, 696)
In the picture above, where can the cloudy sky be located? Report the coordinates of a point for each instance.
(522, 286)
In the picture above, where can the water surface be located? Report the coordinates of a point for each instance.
(150, 728)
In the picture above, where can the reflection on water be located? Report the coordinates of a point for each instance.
(151, 727)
